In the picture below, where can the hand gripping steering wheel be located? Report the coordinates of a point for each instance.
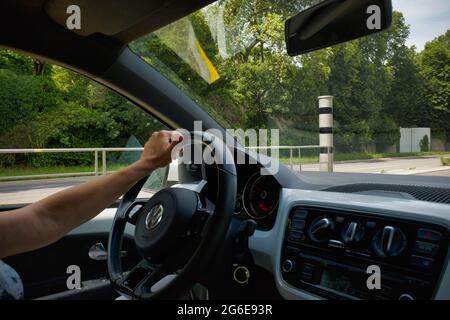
(178, 230)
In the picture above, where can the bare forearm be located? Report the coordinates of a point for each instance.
(46, 221)
(71, 207)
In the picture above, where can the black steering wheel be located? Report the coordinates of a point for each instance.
(178, 230)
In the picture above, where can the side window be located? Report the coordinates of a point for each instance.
(58, 128)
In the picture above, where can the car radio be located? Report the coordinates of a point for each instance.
(339, 255)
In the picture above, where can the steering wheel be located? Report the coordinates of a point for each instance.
(178, 230)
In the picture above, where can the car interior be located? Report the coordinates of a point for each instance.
(311, 236)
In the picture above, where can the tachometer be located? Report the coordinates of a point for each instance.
(260, 196)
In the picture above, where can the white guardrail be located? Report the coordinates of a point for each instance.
(293, 151)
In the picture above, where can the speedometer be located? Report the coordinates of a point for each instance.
(260, 196)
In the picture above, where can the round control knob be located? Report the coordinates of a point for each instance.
(389, 242)
(406, 296)
(353, 232)
(288, 265)
(321, 229)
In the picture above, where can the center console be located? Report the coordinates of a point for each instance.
(349, 255)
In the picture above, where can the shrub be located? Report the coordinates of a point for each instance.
(424, 144)
(445, 161)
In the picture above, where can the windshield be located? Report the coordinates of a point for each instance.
(390, 91)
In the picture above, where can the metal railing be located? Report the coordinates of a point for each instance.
(103, 152)
(95, 151)
(291, 152)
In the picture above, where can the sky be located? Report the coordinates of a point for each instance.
(427, 19)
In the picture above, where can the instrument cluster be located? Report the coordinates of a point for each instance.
(257, 197)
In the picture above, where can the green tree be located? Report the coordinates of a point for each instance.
(15, 62)
(434, 63)
(405, 101)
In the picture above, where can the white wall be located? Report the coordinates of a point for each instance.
(410, 138)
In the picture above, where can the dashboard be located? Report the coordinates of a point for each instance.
(407, 240)
(322, 234)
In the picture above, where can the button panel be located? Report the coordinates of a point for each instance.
(425, 248)
(296, 236)
(421, 262)
(300, 214)
(430, 235)
(297, 225)
(308, 272)
(341, 260)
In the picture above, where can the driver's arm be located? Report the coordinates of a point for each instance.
(49, 219)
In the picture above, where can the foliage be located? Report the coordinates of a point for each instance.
(445, 161)
(434, 62)
(61, 109)
(424, 144)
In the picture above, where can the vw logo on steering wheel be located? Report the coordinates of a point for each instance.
(154, 217)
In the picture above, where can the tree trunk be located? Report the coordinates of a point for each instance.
(38, 67)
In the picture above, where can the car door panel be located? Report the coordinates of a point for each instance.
(44, 271)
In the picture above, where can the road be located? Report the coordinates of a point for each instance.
(411, 165)
(28, 191)
(442, 173)
(33, 190)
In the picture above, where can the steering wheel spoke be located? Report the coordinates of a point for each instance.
(144, 279)
(133, 211)
(158, 276)
(200, 218)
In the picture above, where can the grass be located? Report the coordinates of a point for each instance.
(297, 160)
(25, 171)
(445, 161)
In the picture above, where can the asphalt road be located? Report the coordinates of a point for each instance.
(410, 165)
(442, 173)
(29, 191)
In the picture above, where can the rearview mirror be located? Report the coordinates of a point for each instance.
(335, 21)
